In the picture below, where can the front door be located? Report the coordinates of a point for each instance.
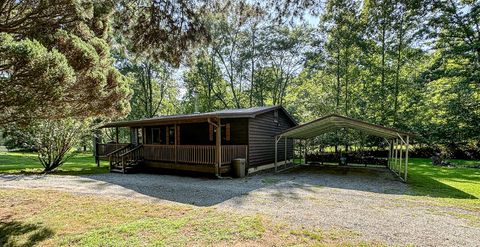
(136, 136)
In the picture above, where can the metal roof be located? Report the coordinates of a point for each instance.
(227, 113)
(334, 122)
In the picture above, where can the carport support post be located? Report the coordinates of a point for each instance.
(398, 156)
(396, 152)
(276, 152)
(305, 152)
(389, 152)
(406, 158)
(285, 158)
(392, 163)
(400, 161)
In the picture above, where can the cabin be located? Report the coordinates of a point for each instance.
(201, 142)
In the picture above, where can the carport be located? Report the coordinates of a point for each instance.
(398, 141)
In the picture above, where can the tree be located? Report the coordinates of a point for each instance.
(54, 140)
(457, 31)
(18, 138)
(206, 89)
(282, 57)
(165, 30)
(55, 61)
(451, 79)
(154, 89)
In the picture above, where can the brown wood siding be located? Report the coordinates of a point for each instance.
(262, 131)
(238, 131)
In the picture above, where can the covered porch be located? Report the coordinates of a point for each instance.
(200, 145)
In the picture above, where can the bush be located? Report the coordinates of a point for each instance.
(18, 138)
(55, 139)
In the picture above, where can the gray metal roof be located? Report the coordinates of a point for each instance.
(334, 122)
(227, 113)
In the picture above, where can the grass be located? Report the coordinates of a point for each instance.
(22, 162)
(455, 186)
(47, 218)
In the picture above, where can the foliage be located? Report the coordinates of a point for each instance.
(249, 63)
(411, 65)
(54, 140)
(163, 30)
(61, 36)
(18, 138)
(154, 89)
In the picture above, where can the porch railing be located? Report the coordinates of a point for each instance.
(105, 148)
(159, 152)
(230, 152)
(193, 154)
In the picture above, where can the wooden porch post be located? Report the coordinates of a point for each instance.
(219, 147)
(116, 134)
(175, 142)
(167, 135)
(96, 141)
(144, 135)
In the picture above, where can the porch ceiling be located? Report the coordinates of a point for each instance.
(333, 122)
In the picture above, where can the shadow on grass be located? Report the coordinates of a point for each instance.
(424, 185)
(20, 234)
(443, 182)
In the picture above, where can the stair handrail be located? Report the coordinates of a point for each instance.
(118, 150)
(132, 150)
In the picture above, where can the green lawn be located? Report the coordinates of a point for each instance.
(458, 186)
(51, 218)
(21, 162)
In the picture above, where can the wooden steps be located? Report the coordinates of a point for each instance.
(127, 159)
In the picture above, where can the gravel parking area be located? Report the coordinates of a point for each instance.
(365, 201)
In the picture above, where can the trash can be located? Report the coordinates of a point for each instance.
(238, 166)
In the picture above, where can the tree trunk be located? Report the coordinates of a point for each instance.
(337, 106)
(382, 90)
(397, 73)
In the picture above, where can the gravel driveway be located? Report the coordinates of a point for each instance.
(370, 202)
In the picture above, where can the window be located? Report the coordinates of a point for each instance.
(138, 136)
(225, 132)
(275, 116)
(171, 134)
(156, 136)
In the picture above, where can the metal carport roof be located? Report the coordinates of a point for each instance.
(398, 141)
(333, 122)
